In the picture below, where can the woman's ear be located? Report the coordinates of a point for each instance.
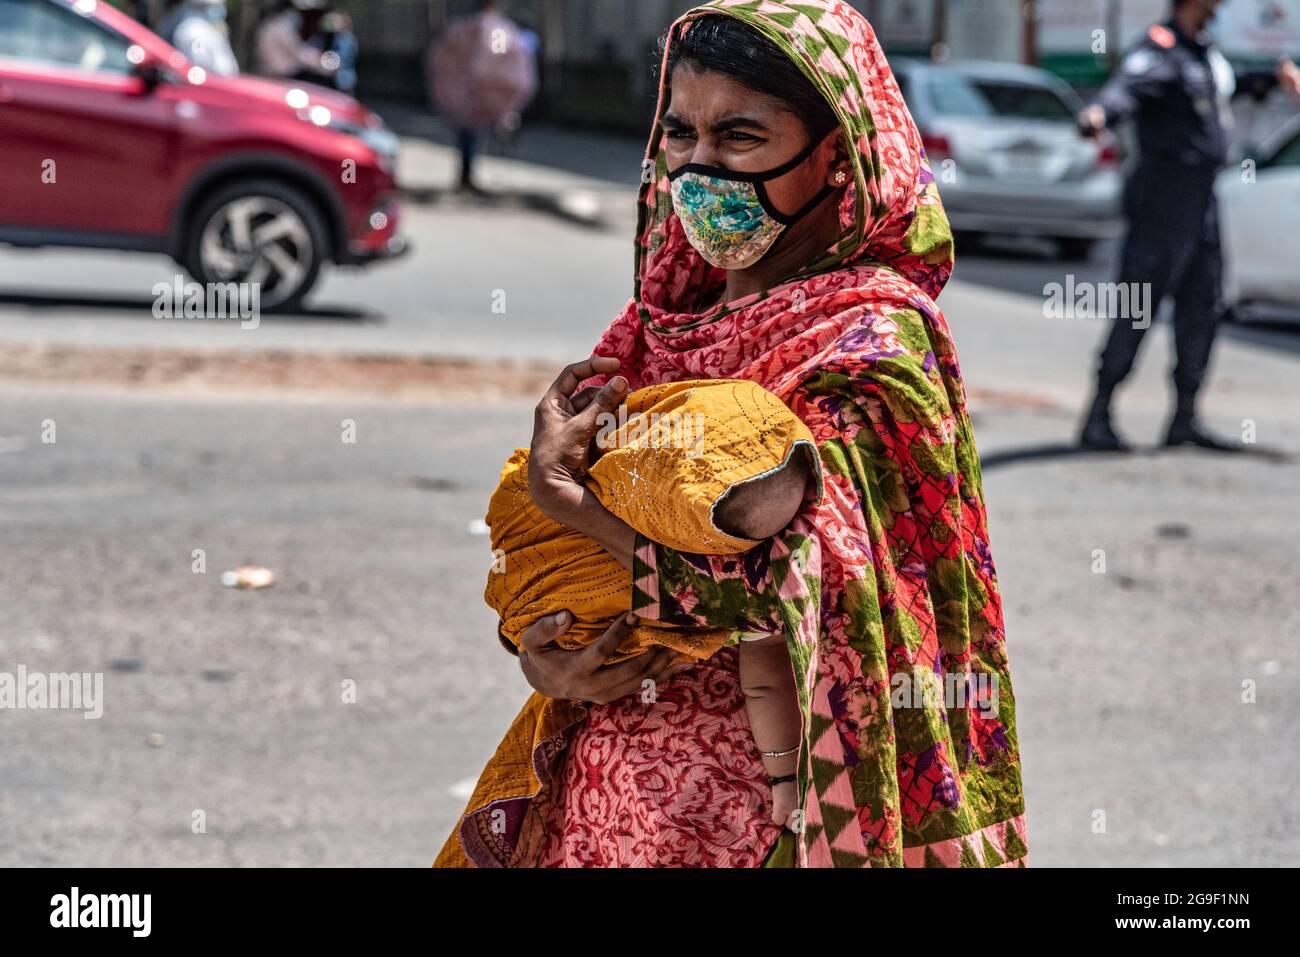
(840, 171)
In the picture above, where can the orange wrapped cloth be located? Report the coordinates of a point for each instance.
(668, 458)
(666, 463)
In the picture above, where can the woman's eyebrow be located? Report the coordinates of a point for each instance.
(735, 122)
(675, 122)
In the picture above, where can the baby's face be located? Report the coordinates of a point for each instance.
(763, 507)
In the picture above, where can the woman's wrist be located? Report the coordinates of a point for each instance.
(582, 512)
(612, 533)
(560, 499)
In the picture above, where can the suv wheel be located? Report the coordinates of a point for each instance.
(259, 231)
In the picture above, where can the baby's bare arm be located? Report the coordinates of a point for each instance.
(767, 681)
(763, 507)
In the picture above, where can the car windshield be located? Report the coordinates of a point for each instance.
(969, 96)
(37, 31)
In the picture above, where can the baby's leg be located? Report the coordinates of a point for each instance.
(767, 682)
(763, 507)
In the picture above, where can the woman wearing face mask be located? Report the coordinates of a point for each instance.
(198, 29)
(791, 234)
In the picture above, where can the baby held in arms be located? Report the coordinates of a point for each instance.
(711, 467)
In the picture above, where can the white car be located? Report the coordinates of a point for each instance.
(1005, 147)
(1260, 209)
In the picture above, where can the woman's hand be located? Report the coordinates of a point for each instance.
(563, 426)
(581, 674)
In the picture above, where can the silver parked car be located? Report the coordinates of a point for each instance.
(1261, 242)
(1004, 144)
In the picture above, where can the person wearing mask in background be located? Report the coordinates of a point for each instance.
(281, 50)
(480, 72)
(1176, 86)
(198, 29)
(339, 49)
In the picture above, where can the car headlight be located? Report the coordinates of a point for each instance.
(383, 141)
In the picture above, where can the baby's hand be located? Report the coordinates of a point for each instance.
(785, 800)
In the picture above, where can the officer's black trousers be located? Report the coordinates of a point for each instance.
(1172, 245)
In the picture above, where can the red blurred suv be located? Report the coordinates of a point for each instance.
(110, 138)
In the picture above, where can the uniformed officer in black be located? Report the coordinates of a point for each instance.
(1176, 87)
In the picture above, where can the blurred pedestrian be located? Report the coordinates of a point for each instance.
(481, 72)
(282, 50)
(198, 29)
(339, 48)
(1176, 86)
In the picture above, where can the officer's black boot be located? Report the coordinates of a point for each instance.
(1097, 432)
(1186, 429)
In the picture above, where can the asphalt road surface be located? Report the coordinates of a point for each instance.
(231, 702)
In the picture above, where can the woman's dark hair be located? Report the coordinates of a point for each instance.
(725, 45)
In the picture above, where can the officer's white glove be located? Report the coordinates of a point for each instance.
(1092, 120)
(1288, 77)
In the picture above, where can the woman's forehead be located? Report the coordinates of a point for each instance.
(698, 95)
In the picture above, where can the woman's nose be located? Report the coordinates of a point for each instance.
(705, 153)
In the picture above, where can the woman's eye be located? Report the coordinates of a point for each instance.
(680, 135)
(735, 136)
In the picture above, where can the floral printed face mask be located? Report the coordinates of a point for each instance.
(727, 215)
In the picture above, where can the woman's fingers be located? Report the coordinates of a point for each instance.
(606, 399)
(582, 398)
(582, 673)
(648, 664)
(569, 378)
(537, 679)
(603, 648)
(618, 681)
(562, 433)
(544, 631)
